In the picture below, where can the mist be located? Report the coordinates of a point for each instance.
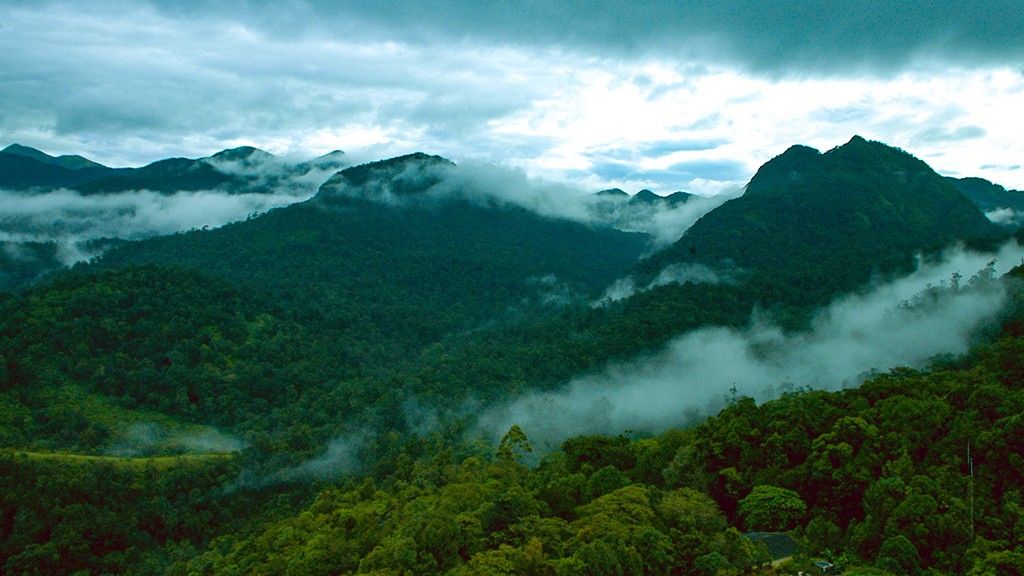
(666, 224)
(489, 185)
(1005, 217)
(71, 219)
(672, 274)
(144, 438)
(907, 322)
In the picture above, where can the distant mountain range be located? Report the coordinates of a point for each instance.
(644, 197)
(236, 170)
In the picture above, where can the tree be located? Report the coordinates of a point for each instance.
(899, 556)
(514, 445)
(772, 508)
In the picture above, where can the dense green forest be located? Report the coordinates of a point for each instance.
(872, 476)
(296, 393)
(812, 225)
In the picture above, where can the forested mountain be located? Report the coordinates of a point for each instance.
(647, 197)
(243, 169)
(298, 392)
(899, 474)
(23, 168)
(1002, 206)
(825, 223)
(69, 161)
(238, 170)
(380, 258)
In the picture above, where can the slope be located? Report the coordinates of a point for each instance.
(24, 170)
(811, 225)
(1002, 206)
(71, 162)
(385, 260)
(180, 174)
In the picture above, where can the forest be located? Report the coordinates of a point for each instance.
(305, 391)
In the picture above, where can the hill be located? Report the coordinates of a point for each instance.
(1002, 206)
(236, 170)
(386, 260)
(71, 162)
(814, 224)
(24, 168)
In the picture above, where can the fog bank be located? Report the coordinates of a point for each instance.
(902, 323)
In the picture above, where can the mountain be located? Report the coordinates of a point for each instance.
(162, 410)
(633, 212)
(380, 256)
(71, 162)
(334, 160)
(24, 168)
(229, 170)
(821, 224)
(1002, 206)
(647, 198)
(400, 176)
(244, 169)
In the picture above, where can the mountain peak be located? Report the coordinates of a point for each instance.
(242, 153)
(28, 152)
(645, 196)
(679, 197)
(401, 176)
(361, 174)
(826, 217)
(613, 192)
(333, 160)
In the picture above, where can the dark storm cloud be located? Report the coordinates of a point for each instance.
(769, 36)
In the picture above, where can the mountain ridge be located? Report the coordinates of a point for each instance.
(832, 219)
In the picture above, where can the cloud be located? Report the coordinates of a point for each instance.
(488, 184)
(672, 274)
(695, 373)
(71, 219)
(341, 456)
(666, 224)
(1005, 216)
(651, 88)
(813, 34)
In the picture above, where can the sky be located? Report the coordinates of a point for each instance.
(678, 95)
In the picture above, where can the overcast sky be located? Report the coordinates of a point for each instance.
(666, 95)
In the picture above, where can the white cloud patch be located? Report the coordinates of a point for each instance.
(71, 219)
(697, 372)
(672, 274)
(1005, 216)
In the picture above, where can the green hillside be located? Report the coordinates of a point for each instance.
(811, 225)
(407, 274)
(872, 476)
